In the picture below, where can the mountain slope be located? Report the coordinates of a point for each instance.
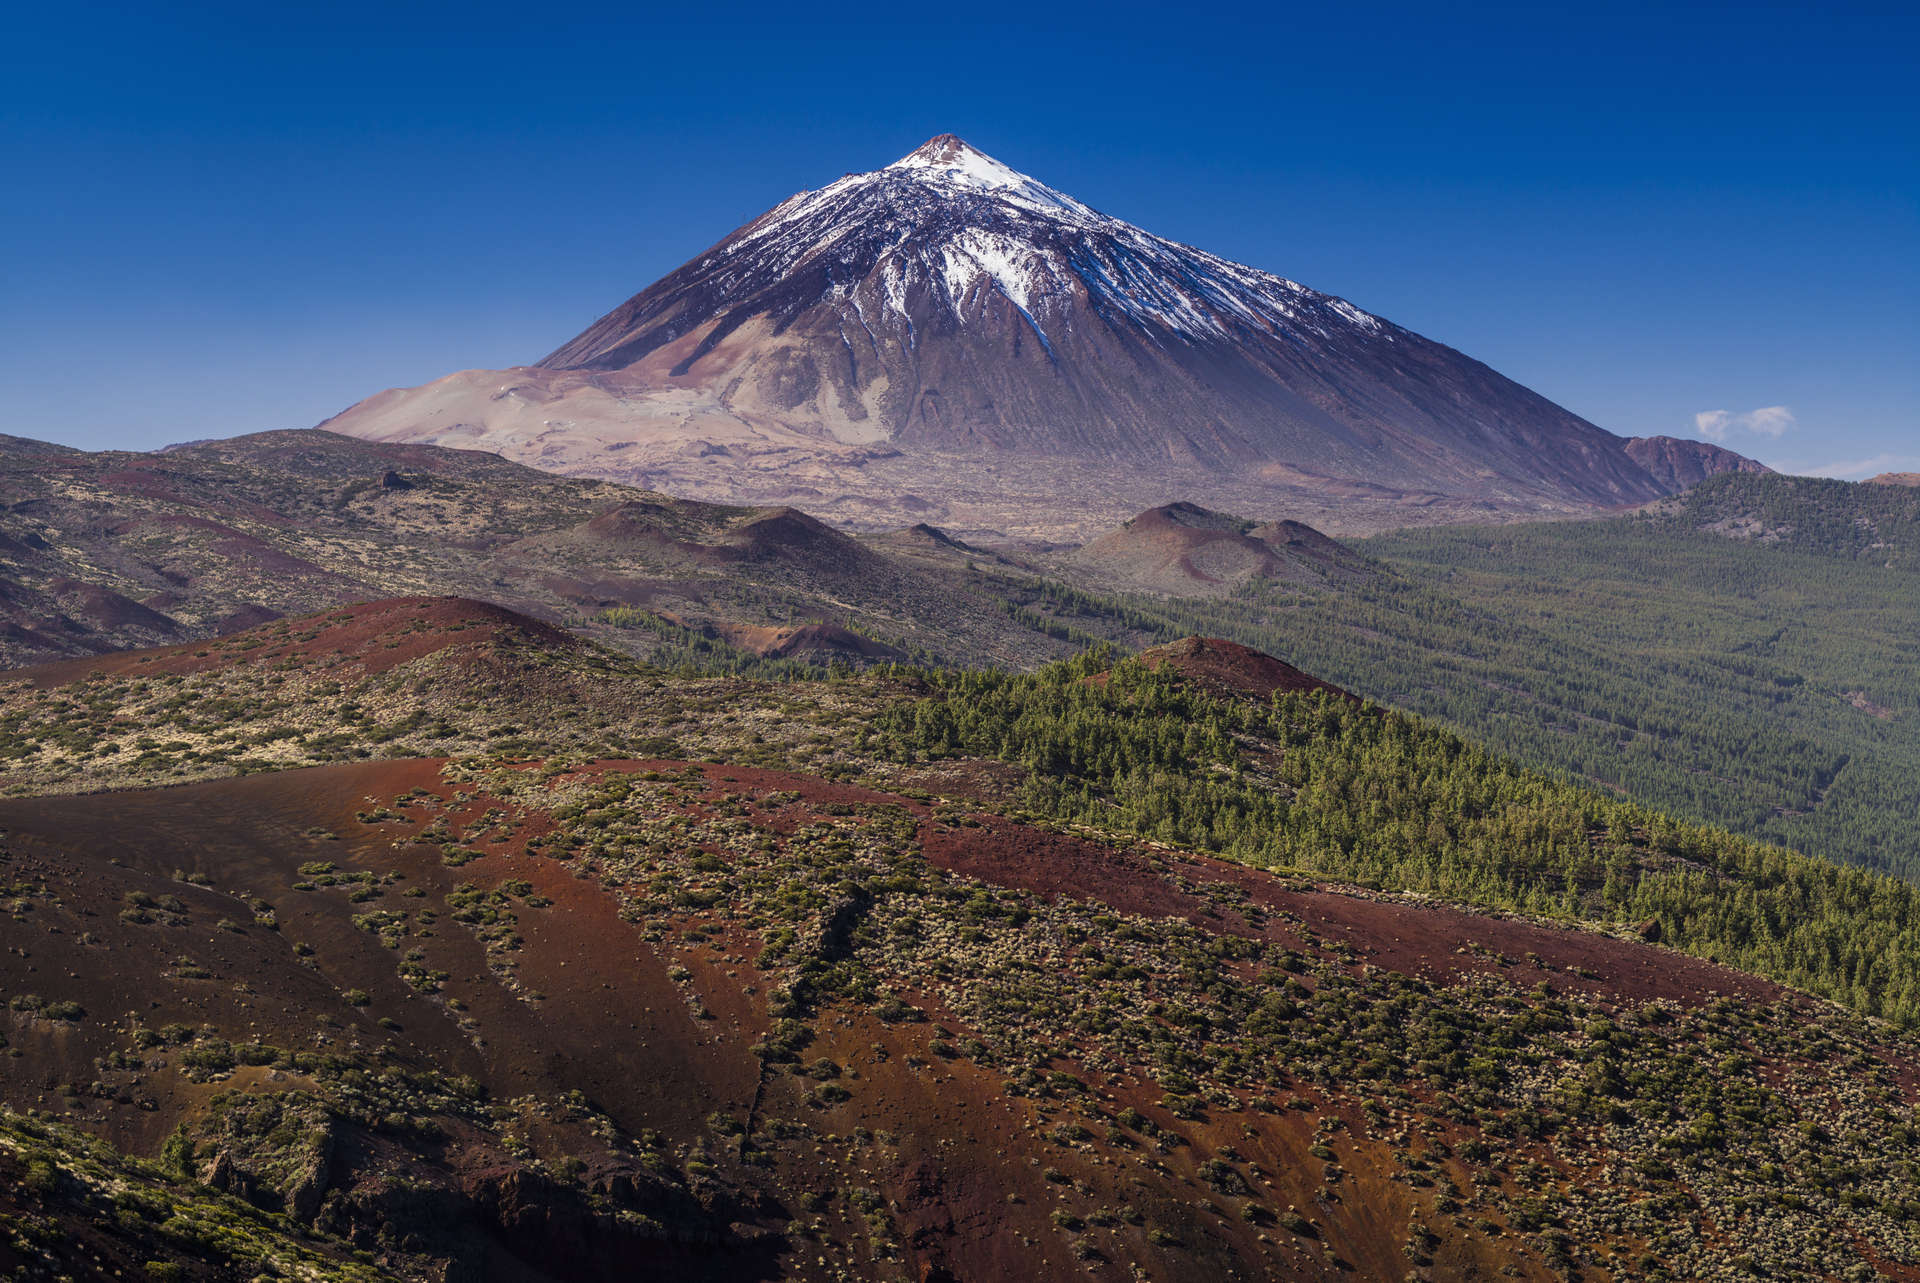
(101, 551)
(939, 976)
(947, 308)
(1868, 521)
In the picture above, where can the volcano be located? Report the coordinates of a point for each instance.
(946, 330)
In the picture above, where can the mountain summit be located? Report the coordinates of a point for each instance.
(897, 331)
(950, 159)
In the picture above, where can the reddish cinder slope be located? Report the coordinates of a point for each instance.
(365, 639)
(1230, 669)
(659, 1029)
(1400, 934)
(239, 936)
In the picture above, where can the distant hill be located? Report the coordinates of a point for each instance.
(1741, 654)
(1677, 463)
(1230, 670)
(352, 642)
(1758, 681)
(1876, 522)
(1187, 550)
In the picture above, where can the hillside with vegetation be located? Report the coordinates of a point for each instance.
(1768, 682)
(1742, 654)
(468, 949)
(1879, 523)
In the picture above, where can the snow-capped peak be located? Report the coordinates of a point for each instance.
(956, 157)
(951, 160)
(928, 231)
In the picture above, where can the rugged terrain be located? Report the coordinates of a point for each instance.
(100, 551)
(1875, 522)
(446, 961)
(948, 340)
(1737, 653)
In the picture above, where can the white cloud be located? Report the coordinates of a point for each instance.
(1770, 421)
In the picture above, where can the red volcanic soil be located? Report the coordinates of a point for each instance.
(589, 1002)
(639, 522)
(369, 638)
(584, 1003)
(105, 609)
(1397, 934)
(1228, 668)
(249, 835)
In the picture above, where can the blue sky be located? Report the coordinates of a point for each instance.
(219, 217)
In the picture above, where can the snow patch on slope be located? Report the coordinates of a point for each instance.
(929, 229)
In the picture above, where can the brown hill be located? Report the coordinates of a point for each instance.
(1677, 463)
(365, 639)
(678, 535)
(1895, 479)
(1228, 668)
(403, 677)
(1185, 550)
